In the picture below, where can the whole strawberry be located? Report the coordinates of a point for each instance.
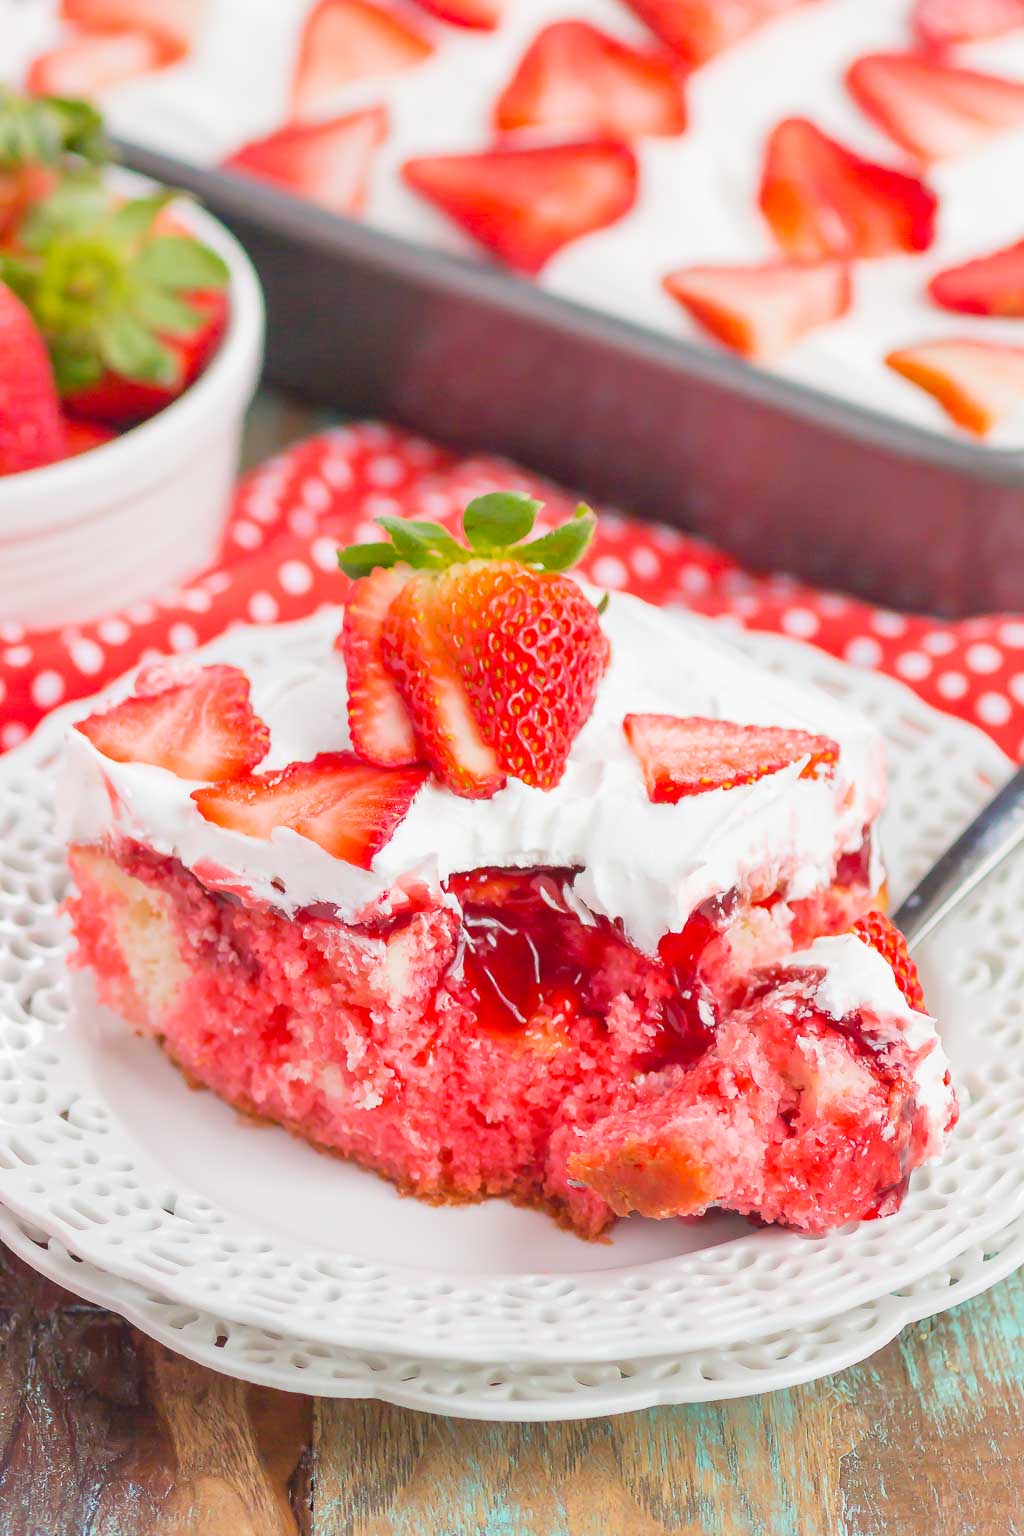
(31, 429)
(495, 654)
(130, 306)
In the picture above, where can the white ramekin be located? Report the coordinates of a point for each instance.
(130, 519)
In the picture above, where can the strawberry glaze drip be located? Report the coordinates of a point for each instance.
(528, 953)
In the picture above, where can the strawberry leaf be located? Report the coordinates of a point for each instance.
(44, 130)
(177, 261)
(423, 545)
(562, 547)
(360, 559)
(134, 219)
(498, 519)
(165, 312)
(78, 204)
(128, 348)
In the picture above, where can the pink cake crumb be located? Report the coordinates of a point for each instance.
(791, 1116)
(462, 1050)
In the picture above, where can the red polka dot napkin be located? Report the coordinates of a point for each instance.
(279, 561)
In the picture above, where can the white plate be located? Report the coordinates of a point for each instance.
(517, 1393)
(102, 1145)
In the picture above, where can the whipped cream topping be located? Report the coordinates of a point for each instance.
(858, 979)
(648, 865)
(698, 192)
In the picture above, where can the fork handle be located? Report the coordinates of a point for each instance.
(991, 836)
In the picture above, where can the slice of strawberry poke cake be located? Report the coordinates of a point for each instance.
(514, 891)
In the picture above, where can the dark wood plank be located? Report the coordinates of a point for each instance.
(103, 1431)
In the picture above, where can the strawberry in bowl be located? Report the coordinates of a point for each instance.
(133, 327)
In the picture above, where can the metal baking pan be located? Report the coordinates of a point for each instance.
(782, 476)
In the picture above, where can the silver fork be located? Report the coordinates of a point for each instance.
(993, 834)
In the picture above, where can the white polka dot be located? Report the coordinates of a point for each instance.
(18, 656)
(3, 690)
(1012, 634)
(382, 506)
(913, 665)
(12, 734)
(182, 637)
(888, 624)
(303, 523)
(800, 622)
(609, 571)
(142, 613)
(611, 526)
(983, 657)
(114, 631)
(1016, 687)
(694, 579)
(863, 651)
(295, 577)
(434, 504)
(316, 495)
(993, 708)
(247, 535)
(87, 656)
(831, 603)
(47, 689)
(938, 643)
(952, 685)
(746, 604)
(11, 633)
(217, 582)
(262, 608)
(196, 600)
(263, 504)
(325, 553)
(385, 470)
(644, 561)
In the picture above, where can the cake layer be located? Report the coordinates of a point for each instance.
(817, 1098)
(459, 1050)
(647, 866)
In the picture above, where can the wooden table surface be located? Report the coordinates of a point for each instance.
(104, 1433)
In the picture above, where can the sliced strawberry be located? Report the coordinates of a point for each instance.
(876, 930)
(201, 728)
(698, 29)
(480, 15)
(328, 163)
(82, 436)
(174, 22)
(939, 23)
(349, 807)
(760, 311)
(530, 650)
(682, 757)
(988, 285)
(378, 723)
(977, 383)
(31, 428)
(525, 204)
(823, 200)
(575, 77)
(346, 40)
(94, 62)
(931, 108)
(120, 402)
(447, 734)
